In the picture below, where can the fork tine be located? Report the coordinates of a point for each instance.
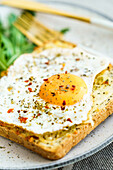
(34, 30)
(31, 31)
(44, 35)
(25, 17)
(31, 17)
(23, 23)
(28, 35)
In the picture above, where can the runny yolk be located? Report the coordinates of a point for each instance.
(63, 89)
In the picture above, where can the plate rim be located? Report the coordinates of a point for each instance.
(95, 149)
(66, 2)
(79, 157)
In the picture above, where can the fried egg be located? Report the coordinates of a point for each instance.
(51, 90)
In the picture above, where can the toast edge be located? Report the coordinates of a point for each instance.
(64, 147)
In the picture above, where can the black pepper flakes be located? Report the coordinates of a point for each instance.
(31, 78)
(64, 103)
(25, 111)
(60, 86)
(62, 107)
(53, 94)
(67, 86)
(29, 84)
(58, 76)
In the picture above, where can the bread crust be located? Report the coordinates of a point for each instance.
(71, 140)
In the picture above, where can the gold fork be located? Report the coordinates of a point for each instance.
(40, 7)
(35, 31)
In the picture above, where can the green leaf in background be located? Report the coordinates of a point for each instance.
(12, 43)
(64, 30)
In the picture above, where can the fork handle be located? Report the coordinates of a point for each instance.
(102, 22)
(39, 7)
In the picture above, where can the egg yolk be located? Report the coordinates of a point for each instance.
(63, 89)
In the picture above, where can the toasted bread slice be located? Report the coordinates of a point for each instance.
(55, 145)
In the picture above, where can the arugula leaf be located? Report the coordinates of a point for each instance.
(64, 30)
(1, 27)
(12, 43)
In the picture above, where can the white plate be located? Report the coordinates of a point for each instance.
(14, 156)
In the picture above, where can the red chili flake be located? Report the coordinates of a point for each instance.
(58, 76)
(65, 72)
(106, 82)
(45, 79)
(30, 89)
(77, 59)
(54, 107)
(10, 110)
(22, 119)
(73, 87)
(30, 84)
(34, 116)
(26, 81)
(47, 62)
(69, 120)
(64, 103)
(61, 86)
(18, 111)
(47, 107)
(62, 107)
(38, 114)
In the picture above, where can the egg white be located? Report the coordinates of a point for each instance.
(77, 62)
